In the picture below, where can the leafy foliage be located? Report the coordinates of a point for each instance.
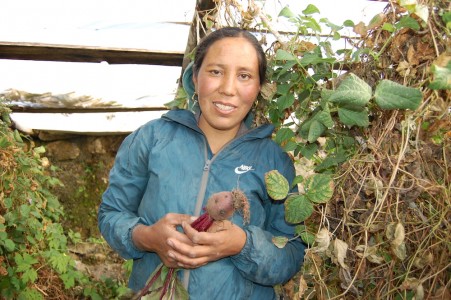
(375, 118)
(34, 258)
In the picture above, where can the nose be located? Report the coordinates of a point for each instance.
(227, 86)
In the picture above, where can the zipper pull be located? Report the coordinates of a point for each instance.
(207, 165)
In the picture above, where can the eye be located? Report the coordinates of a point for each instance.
(244, 76)
(215, 72)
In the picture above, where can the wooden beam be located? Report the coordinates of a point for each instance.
(75, 53)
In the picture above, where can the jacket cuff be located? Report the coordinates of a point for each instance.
(133, 250)
(243, 258)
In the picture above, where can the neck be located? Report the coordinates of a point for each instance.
(217, 138)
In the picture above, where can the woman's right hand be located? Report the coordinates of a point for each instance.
(154, 238)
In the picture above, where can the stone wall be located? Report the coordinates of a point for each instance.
(82, 164)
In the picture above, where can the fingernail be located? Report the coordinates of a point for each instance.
(171, 255)
(170, 243)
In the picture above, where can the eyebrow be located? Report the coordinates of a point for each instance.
(223, 66)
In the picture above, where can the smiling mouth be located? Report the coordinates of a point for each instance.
(223, 107)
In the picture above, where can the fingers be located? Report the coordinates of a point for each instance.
(178, 219)
(185, 256)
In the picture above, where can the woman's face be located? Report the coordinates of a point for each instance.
(227, 84)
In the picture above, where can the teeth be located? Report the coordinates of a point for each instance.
(223, 107)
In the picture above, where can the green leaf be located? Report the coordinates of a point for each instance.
(308, 238)
(408, 22)
(311, 23)
(276, 185)
(348, 23)
(325, 118)
(290, 146)
(310, 10)
(352, 117)
(29, 275)
(298, 179)
(283, 134)
(319, 188)
(9, 245)
(331, 25)
(279, 241)
(284, 55)
(326, 94)
(60, 261)
(286, 12)
(331, 161)
(392, 95)
(315, 131)
(352, 91)
(180, 292)
(4, 143)
(68, 280)
(308, 150)
(314, 59)
(39, 150)
(284, 89)
(30, 294)
(442, 77)
(285, 101)
(389, 27)
(297, 209)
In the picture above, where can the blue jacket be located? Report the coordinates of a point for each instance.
(165, 166)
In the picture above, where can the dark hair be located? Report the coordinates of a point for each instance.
(226, 32)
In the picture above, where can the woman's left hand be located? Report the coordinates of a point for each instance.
(222, 239)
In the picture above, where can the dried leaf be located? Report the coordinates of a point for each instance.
(369, 253)
(361, 29)
(415, 285)
(423, 260)
(399, 234)
(340, 249)
(268, 90)
(302, 286)
(322, 240)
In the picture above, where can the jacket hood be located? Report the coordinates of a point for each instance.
(193, 105)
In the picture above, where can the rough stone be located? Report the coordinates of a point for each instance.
(63, 150)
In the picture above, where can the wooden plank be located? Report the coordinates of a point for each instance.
(75, 53)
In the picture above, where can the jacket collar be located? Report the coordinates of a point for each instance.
(190, 119)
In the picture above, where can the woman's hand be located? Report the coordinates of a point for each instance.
(155, 238)
(223, 239)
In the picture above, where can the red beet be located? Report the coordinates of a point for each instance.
(221, 206)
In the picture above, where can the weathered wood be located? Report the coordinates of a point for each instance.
(71, 110)
(76, 53)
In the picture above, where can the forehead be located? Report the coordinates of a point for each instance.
(232, 50)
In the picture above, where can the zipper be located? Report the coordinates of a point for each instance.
(201, 193)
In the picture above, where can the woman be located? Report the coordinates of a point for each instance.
(165, 171)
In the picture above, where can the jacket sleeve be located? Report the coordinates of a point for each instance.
(260, 260)
(118, 211)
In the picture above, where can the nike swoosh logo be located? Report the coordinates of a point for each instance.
(243, 169)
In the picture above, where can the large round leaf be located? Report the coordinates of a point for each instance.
(392, 95)
(297, 209)
(319, 188)
(277, 185)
